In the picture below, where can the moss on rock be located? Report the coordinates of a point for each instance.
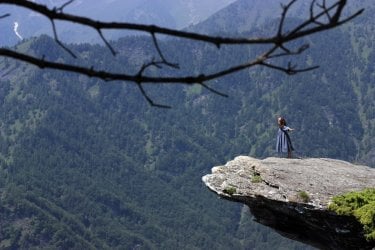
(359, 204)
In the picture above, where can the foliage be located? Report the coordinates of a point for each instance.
(304, 196)
(230, 190)
(256, 178)
(360, 204)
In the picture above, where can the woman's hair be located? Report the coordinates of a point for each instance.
(281, 121)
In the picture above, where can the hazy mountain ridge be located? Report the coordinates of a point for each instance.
(246, 15)
(172, 14)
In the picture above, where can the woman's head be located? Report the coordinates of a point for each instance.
(281, 121)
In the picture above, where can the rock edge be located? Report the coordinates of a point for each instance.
(273, 188)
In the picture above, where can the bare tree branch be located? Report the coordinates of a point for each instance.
(61, 8)
(98, 25)
(290, 69)
(149, 100)
(106, 42)
(287, 52)
(137, 78)
(213, 90)
(300, 30)
(321, 18)
(283, 16)
(4, 16)
(57, 40)
(172, 65)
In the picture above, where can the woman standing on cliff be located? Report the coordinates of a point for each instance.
(284, 144)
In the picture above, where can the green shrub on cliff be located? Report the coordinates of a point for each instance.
(304, 196)
(361, 205)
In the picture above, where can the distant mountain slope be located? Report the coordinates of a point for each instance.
(181, 12)
(246, 15)
(362, 77)
(87, 165)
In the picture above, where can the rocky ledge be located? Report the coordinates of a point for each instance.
(292, 196)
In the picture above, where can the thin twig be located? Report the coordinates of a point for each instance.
(148, 65)
(59, 42)
(324, 7)
(149, 100)
(4, 16)
(61, 8)
(213, 90)
(106, 42)
(300, 50)
(290, 70)
(283, 16)
(299, 31)
(156, 45)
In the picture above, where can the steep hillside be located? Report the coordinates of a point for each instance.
(76, 172)
(91, 165)
(363, 80)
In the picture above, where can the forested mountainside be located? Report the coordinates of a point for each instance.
(89, 164)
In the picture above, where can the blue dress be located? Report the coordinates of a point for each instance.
(283, 143)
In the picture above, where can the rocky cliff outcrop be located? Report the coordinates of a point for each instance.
(292, 196)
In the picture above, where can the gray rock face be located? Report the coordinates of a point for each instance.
(292, 196)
